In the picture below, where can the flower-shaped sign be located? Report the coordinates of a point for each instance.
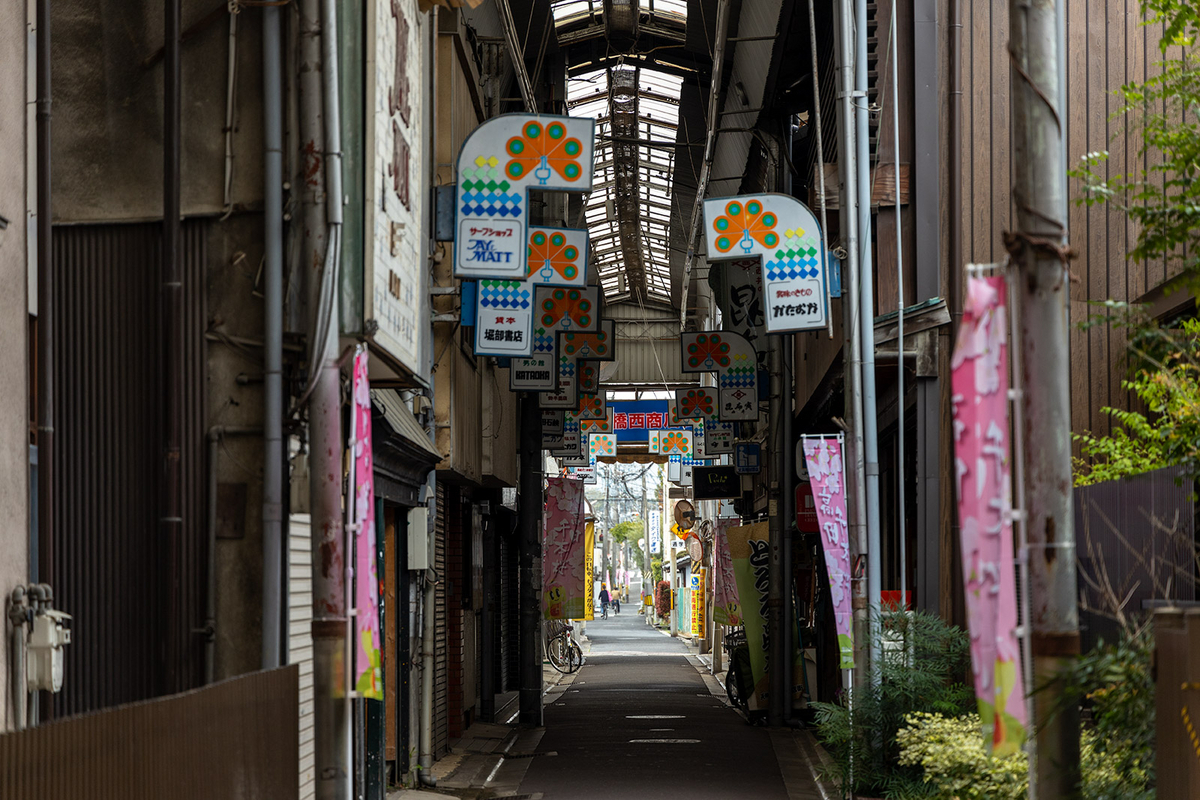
(676, 443)
(498, 164)
(588, 376)
(557, 257)
(562, 309)
(595, 346)
(592, 407)
(699, 403)
(783, 232)
(597, 425)
(603, 444)
(705, 352)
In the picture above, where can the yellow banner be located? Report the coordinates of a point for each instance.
(589, 569)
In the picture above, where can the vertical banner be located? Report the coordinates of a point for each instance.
(750, 549)
(725, 591)
(979, 399)
(368, 666)
(654, 531)
(589, 569)
(826, 471)
(564, 585)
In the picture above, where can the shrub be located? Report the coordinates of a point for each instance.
(662, 598)
(950, 752)
(923, 666)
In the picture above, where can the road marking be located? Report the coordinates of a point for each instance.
(655, 716)
(664, 741)
(662, 730)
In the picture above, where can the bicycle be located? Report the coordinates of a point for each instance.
(739, 680)
(562, 650)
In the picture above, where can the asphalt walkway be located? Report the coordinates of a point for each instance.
(638, 720)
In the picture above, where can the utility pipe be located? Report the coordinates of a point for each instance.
(529, 548)
(788, 473)
(852, 344)
(895, 48)
(775, 654)
(710, 143)
(18, 615)
(866, 322)
(171, 324)
(272, 504)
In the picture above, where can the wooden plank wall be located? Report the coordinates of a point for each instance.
(1107, 47)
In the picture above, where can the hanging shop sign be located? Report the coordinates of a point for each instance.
(676, 443)
(592, 408)
(782, 232)
(564, 583)
(572, 445)
(566, 395)
(602, 444)
(743, 288)
(733, 359)
(598, 345)
(718, 439)
(368, 664)
(633, 420)
(979, 403)
(747, 457)
(557, 257)
(750, 549)
(725, 594)
(806, 507)
(570, 310)
(575, 462)
(698, 403)
(826, 470)
(498, 164)
(716, 483)
(597, 425)
(686, 473)
(589, 377)
(503, 318)
(553, 441)
(654, 531)
(589, 567)
(698, 603)
(553, 420)
(536, 374)
(654, 442)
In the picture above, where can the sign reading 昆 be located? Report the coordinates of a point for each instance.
(499, 163)
(825, 469)
(979, 403)
(785, 235)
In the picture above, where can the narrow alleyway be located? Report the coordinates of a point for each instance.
(639, 721)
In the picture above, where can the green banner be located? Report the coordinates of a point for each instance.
(750, 550)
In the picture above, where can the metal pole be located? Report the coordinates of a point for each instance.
(46, 340)
(1038, 247)
(775, 668)
(866, 322)
(319, 137)
(852, 344)
(171, 327)
(531, 546)
(272, 505)
(895, 48)
(646, 533)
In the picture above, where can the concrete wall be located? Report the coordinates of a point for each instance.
(14, 419)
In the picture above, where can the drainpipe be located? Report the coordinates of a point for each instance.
(866, 321)
(425, 729)
(171, 330)
(272, 507)
(45, 308)
(18, 615)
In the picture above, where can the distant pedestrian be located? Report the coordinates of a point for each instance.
(605, 599)
(616, 601)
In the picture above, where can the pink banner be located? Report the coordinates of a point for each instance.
(979, 381)
(725, 593)
(368, 668)
(825, 470)
(565, 587)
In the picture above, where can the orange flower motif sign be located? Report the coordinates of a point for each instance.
(563, 309)
(596, 346)
(676, 443)
(557, 257)
(592, 407)
(539, 148)
(743, 224)
(698, 403)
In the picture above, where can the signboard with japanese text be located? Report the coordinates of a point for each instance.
(750, 551)
(747, 457)
(572, 445)
(718, 439)
(535, 374)
(503, 318)
(589, 565)
(733, 359)
(826, 470)
(654, 531)
(725, 593)
(553, 441)
(564, 584)
(498, 164)
(979, 404)
(785, 235)
(368, 664)
(634, 419)
(553, 420)
(567, 394)
(394, 287)
(743, 287)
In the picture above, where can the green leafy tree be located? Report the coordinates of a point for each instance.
(630, 531)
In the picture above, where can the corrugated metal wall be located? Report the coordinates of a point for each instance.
(300, 642)
(1140, 532)
(234, 739)
(441, 685)
(108, 566)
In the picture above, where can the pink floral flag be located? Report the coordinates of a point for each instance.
(564, 545)
(725, 592)
(368, 667)
(825, 470)
(979, 381)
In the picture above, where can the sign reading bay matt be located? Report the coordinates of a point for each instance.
(782, 232)
(499, 163)
(716, 483)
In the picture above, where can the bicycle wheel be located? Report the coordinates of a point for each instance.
(574, 656)
(558, 650)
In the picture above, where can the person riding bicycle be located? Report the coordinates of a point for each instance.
(616, 602)
(605, 599)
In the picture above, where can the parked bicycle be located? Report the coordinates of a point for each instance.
(739, 680)
(562, 650)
